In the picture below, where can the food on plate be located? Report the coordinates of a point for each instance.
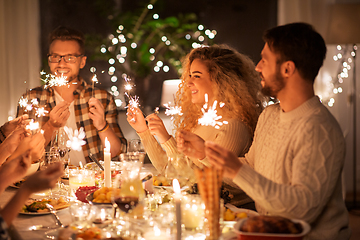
(82, 192)
(103, 195)
(39, 206)
(160, 180)
(84, 234)
(233, 216)
(270, 224)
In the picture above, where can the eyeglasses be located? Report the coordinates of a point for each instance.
(53, 58)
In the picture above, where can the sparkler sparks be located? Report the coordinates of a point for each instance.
(41, 112)
(75, 138)
(210, 117)
(172, 110)
(53, 80)
(32, 125)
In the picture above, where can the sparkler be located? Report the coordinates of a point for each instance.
(33, 126)
(94, 79)
(54, 80)
(210, 117)
(75, 138)
(172, 110)
(41, 112)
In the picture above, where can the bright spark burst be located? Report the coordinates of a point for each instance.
(53, 80)
(128, 86)
(210, 117)
(32, 125)
(172, 110)
(41, 112)
(134, 101)
(75, 138)
(94, 79)
(23, 102)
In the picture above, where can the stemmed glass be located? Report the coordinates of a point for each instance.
(130, 199)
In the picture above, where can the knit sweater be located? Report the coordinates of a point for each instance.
(293, 168)
(234, 136)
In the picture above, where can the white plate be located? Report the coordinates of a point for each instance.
(249, 212)
(40, 213)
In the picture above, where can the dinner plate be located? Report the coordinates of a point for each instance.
(40, 213)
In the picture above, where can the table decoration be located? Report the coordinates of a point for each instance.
(107, 167)
(80, 177)
(177, 199)
(209, 184)
(192, 212)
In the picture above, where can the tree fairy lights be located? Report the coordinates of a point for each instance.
(345, 57)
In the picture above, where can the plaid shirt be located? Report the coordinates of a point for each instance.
(46, 99)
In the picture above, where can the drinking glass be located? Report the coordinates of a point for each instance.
(130, 199)
(58, 144)
(135, 145)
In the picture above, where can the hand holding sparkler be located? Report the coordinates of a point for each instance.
(10, 126)
(157, 127)
(59, 114)
(97, 113)
(222, 159)
(190, 144)
(136, 119)
(35, 143)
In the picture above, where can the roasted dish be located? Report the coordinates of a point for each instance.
(270, 224)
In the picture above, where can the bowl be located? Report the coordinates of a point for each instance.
(271, 236)
(32, 169)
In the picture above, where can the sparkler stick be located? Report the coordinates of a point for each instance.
(210, 117)
(94, 79)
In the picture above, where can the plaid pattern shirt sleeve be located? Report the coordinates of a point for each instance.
(82, 95)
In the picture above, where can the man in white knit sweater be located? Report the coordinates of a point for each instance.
(293, 168)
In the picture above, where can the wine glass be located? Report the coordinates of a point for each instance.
(130, 199)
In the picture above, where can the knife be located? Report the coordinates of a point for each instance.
(93, 158)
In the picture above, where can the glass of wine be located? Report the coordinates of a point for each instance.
(130, 199)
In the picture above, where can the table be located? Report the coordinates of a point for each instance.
(23, 222)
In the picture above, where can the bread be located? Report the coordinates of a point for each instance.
(270, 224)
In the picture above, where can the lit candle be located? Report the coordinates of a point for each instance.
(107, 160)
(177, 198)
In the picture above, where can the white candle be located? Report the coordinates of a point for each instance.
(177, 198)
(107, 167)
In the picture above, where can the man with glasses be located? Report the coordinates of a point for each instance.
(76, 104)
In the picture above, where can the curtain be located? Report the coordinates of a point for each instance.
(19, 52)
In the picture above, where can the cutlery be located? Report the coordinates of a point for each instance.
(53, 212)
(93, 158)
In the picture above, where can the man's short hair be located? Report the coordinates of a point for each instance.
(300, 43)
(67, 34)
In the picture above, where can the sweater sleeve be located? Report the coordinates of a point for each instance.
(317, 159)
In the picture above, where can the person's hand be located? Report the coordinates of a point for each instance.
(10, 126)
(44, 179)
(97, 113)
(136, 119)
(14, 170)
(12, 141)
(35, 143)
(59, 115)
(190, 144)
(221, 158)
(157, 127)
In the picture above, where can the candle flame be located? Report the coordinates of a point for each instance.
(176, 186)
(107, 145)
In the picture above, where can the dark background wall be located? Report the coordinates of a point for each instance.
(239, 23)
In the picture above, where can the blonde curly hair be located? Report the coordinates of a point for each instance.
(236, 83)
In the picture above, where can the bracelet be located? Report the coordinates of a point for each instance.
(104, 128)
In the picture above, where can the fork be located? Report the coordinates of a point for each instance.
(53, 212)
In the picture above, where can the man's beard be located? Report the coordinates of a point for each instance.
(277, 83)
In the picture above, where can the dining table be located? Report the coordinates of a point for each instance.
(29, 226)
